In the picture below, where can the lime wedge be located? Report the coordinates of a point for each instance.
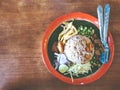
(63, 68)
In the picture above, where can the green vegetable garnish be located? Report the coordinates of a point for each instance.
(95, 62)
(85, 31)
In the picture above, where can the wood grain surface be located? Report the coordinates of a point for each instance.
(22, 25)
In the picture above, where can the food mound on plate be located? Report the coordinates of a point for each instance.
(77, 50)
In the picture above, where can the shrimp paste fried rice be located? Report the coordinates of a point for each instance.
(79, 49)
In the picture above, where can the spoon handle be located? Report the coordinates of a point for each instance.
(100, 20)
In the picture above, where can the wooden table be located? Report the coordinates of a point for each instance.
(22, 25)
